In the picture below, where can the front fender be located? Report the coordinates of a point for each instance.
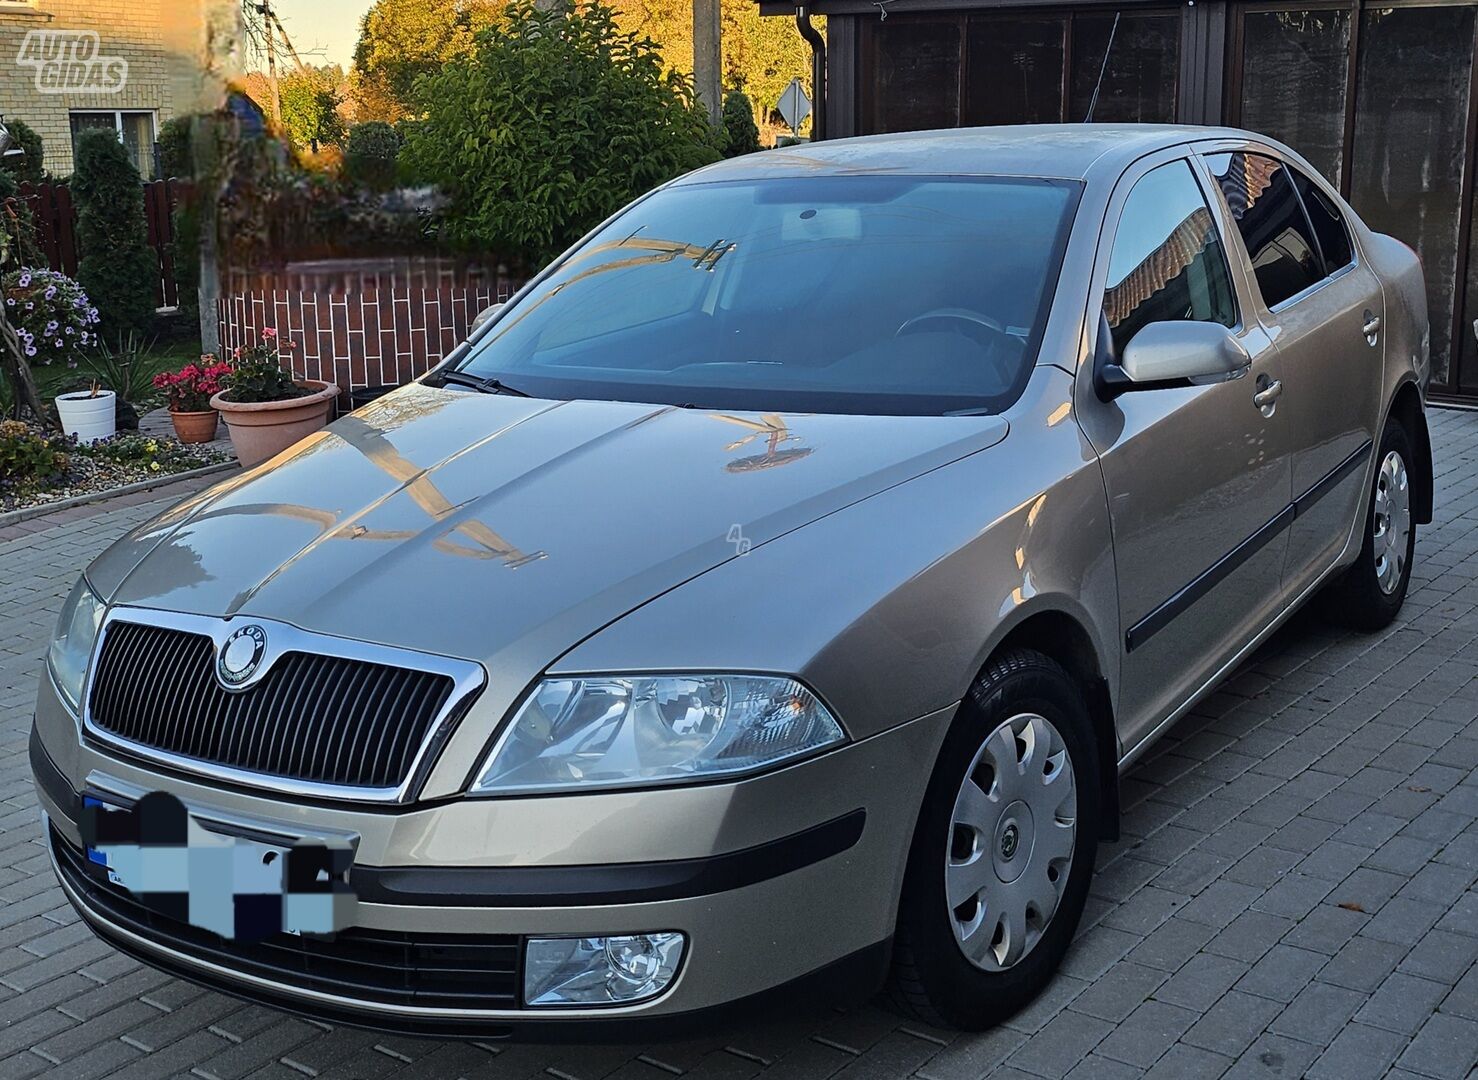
(889, 608)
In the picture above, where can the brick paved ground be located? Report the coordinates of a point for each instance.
(1295, 893)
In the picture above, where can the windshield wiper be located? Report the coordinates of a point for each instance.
(486, 386)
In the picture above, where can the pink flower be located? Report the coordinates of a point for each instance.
(269, 334)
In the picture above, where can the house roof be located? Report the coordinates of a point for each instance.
(1067, 151)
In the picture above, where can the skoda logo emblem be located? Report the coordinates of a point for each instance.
(241, 655)
(1009, 840)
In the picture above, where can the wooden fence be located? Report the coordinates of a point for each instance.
(55, 217)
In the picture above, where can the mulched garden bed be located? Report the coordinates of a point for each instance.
(38, 468)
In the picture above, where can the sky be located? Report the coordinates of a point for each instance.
(323, 31)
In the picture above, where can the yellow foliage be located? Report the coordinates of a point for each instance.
(761, 55)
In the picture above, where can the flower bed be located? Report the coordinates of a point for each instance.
(37, 468)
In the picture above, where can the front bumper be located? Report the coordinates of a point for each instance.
(782, 881)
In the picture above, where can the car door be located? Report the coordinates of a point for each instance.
(1198, 476)
(1322, 306)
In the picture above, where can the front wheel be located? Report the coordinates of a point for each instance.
(1370, 593)
(1002, 856)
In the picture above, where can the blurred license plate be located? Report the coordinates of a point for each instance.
(237, 886)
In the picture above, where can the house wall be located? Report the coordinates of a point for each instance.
(160, 39)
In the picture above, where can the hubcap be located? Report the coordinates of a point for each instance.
(1391, 524)
(1011, 842)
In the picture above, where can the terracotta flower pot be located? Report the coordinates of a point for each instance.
(195, 427)
(263, 429)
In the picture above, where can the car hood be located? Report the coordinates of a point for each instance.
(468, 524)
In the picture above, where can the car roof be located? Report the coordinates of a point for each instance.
(1066, 151)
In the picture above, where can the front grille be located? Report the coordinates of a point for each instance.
(459, 971)
(325, 719)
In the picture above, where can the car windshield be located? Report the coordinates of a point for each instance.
(848, 294)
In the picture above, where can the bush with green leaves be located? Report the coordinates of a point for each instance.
(556, 120)
(29, 457)
(741, 133)
(370, 153)
(29, 167)
(176, 156)
(117, 267)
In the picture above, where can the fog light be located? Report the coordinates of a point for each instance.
(599, 970)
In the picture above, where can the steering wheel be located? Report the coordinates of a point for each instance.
(972, 323)
(972, 319)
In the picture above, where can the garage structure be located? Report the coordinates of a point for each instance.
(1377, 96)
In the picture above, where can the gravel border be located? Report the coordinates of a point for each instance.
(25, 513)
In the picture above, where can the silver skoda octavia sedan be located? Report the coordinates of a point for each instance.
(768, 598)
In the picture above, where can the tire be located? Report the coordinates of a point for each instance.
(1368, 595)
(933, 978)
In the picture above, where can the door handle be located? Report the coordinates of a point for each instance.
(1268, 395)
(1371, 327)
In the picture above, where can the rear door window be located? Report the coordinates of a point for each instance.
(1264, 203)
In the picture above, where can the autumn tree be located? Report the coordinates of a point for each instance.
(310, 107)
(402, 40)
(761, 55)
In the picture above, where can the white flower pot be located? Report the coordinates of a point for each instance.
(87, 417)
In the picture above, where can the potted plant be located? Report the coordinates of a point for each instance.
(266, 410)
(88, 415)
(189, 391)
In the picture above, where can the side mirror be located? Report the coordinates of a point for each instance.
(482, 317)
(1165, 354)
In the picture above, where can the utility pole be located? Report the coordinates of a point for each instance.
(265, 7)
(708, 57)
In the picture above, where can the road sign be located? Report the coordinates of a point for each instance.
(794, 105)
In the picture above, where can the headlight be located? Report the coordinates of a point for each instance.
(631, 731)
(76, 631)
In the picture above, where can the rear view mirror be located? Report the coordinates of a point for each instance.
(1165, 354)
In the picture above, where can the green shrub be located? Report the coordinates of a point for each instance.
(18, 225)
(117, 267)
(741, 133)
(29, 458)
(370, 153)
(176, 157)
(30, 166)
(556, 120)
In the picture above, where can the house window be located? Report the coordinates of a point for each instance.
(134, 129)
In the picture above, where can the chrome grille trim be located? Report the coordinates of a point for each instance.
(318, 653)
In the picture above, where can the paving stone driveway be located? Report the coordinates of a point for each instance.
(1294, 894)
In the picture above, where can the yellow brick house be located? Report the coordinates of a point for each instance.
(128, 65)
